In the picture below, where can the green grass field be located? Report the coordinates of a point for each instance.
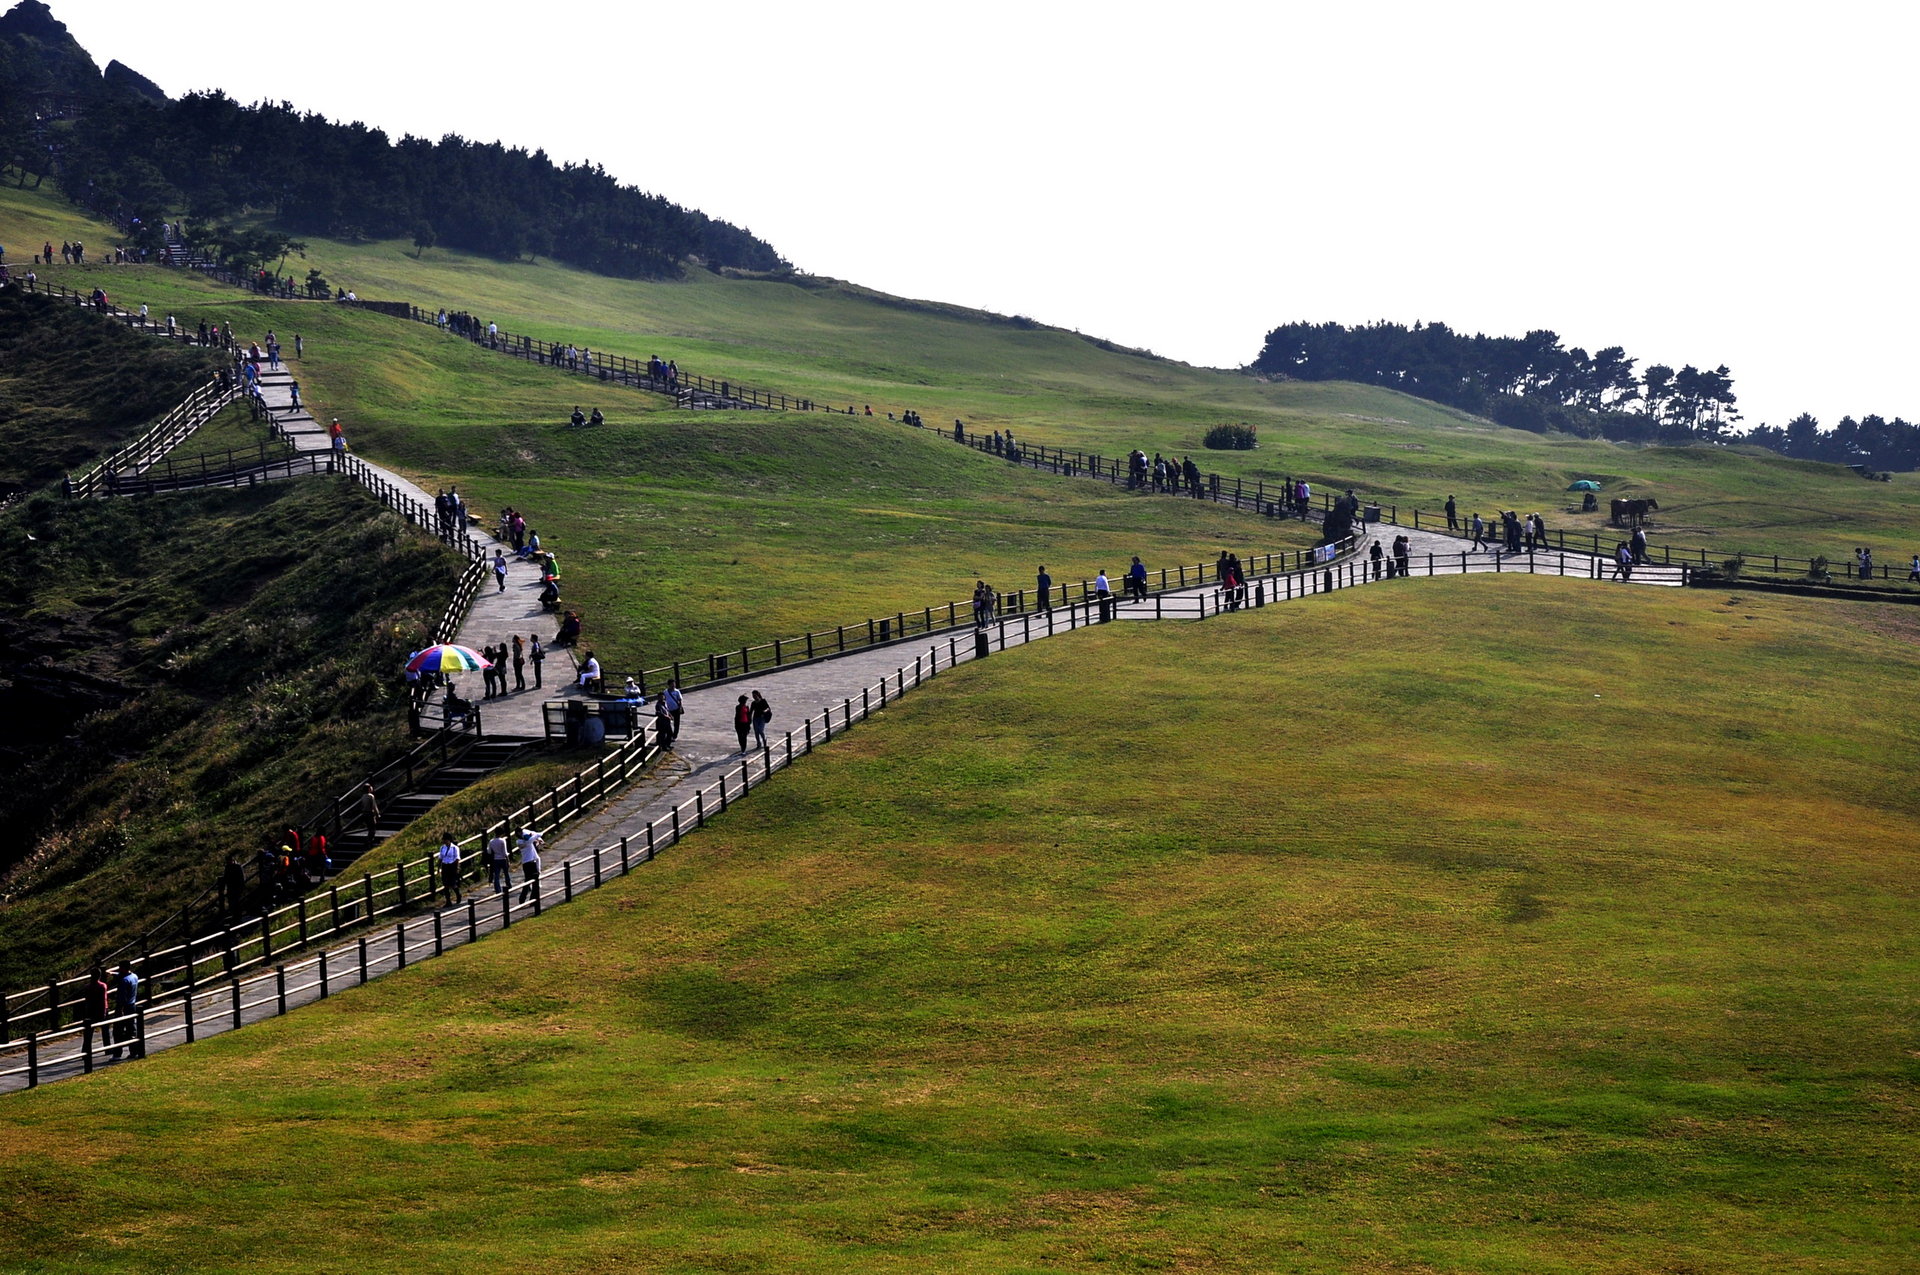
(1502, 925)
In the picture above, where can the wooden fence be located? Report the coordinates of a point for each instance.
(204, 991)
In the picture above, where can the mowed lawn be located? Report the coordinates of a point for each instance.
(1508, 925)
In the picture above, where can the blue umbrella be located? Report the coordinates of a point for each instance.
(1584, 484)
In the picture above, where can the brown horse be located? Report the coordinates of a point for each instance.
(1631, 513)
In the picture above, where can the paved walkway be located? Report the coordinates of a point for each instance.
(811, 702)
(496, 615)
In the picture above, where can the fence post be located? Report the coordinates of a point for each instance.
(325, 990)
(235, 990)
(363, 960)
(33, 1060)
(439, 941)
(280, 986)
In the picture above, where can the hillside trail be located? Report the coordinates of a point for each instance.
(707, 752)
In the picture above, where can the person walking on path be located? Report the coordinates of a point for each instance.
(1137, 579)
(1378, 555)
(449, 857)
(126, 1000)
(530, 844)
(662, 723)
(98, 998)
(338, 435)
(1914, 572)
(1453, 515)
(1479, 533)
(538, 655)
(742, 721)
(676, 704)
(1043, 585)
(1103, 594)
(233, 884)
(762, 714)
(369, 808)
(1622, 562)
(299, 347)
(500, 569)
(519, 664)
(498, 867)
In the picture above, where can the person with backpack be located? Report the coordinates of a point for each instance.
(762, 714)
(126, 1000)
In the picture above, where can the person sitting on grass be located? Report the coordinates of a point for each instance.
(550, 596)
(569, 630)
(531, 549)
(590, 672)
(578, 418)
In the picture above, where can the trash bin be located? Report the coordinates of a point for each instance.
(1370, 513)
(980, 647)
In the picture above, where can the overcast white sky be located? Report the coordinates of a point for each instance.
(1704, 183)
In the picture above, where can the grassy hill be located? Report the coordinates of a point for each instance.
(1478, 925)
(188, 674)
(845, 345)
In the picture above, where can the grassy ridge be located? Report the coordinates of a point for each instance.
(1076, 961)
(842, 344)
(192, 673)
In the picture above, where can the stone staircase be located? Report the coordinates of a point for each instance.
(461, 772)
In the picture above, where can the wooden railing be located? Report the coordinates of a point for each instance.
(205, 991)
(231, 949)
(168, 433)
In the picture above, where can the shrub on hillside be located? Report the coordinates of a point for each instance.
(1232, 438)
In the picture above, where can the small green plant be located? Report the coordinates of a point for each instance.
(1232, 438)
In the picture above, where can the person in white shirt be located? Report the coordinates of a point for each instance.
(530, 846)
(449, 857)
(1103, 593)
(590, 671)
(497, 862)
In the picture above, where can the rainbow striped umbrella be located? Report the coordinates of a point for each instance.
(445, 657)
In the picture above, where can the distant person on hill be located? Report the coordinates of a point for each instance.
(500, 569)
(1137, 579)
(519, 664)
(537, 654)
(299, 347)
(1638, 544)
(596, 418)
(959, 431)
(1453, 515)
(1043, 585)
(233, 885)
(338, 435)
(578, 418)
(1622, 562)
(1479, 533)
(1378, 555)
(369, 808)
(1103, 594)
(676, 705)
(590, 671)
(569, 630)
(1913, 572)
